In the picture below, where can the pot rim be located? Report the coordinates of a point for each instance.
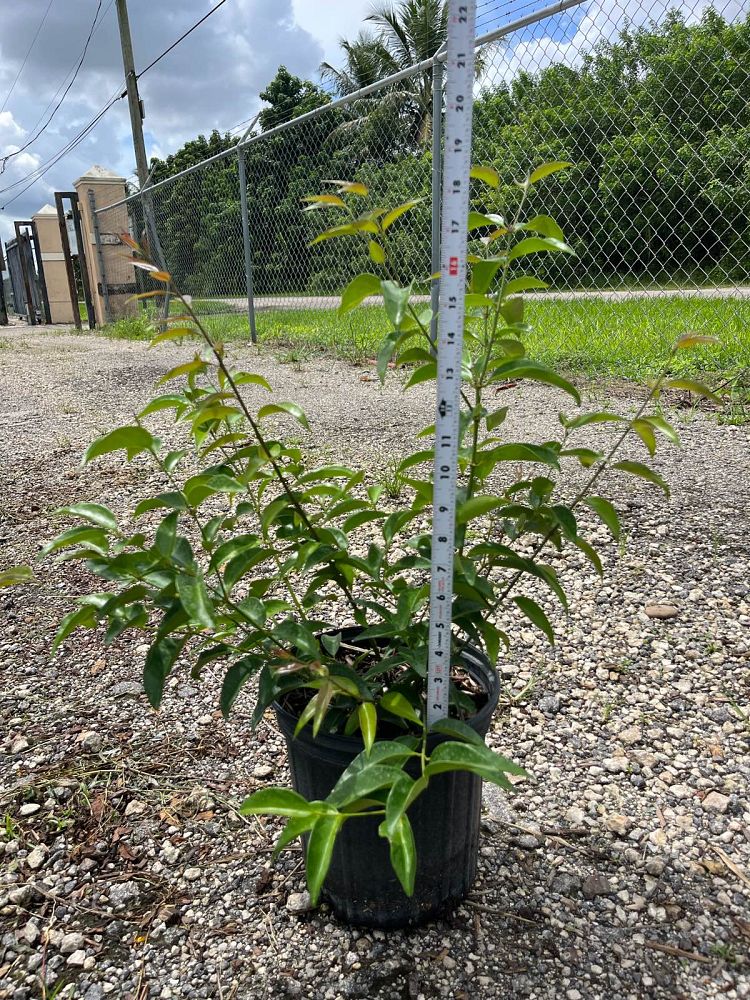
(476, 662)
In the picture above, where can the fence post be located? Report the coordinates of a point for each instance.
(437, 184)
(247, 247)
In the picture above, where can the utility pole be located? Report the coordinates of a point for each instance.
(131, 83)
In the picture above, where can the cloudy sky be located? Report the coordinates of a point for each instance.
(212, 79)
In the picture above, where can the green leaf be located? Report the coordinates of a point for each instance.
(479, 221)
(376, 252)
(525, 368)
(643, 472)
(494, 420)
(16, 576)
(424, 373)
(646, 433)
(545, 226)
(319, 850)
(368, 721)
(195, 599)
(523, 284)
(168, 402)
(132, 440)
(690, 385)
(535, 615)
(250, 378)
(296, 826)
(166, 533)
(691, 339)
(395, 703)
(189, 368)
(538, 244)
(93, 512)
(83, 617)
(291, 408)
(159, 661)
(395, 213)
(235, 677)
(477, 759)
(477, 507)
(664, 427)
(321, 200)
(357, 290)
(403, 852)
(606, 512)
(173, 334)
(278, 802)
(546, 169)
(83, 534)
(487, 175)
(457, 730)
(175, 501)
(385, 353)
(483, 273)
(395, 301)
(355, 785)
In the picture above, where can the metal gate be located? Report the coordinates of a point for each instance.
(27, 274)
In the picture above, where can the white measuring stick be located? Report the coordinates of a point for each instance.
(459, 87)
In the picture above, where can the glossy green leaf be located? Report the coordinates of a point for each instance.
(538, 244)
(545, 226)
(193, 367)
(606, 512)
(395, 703)
(319, 850)
(457, 730)
(376, 252)
(361, 783)
(470, 757)
(133, 440)
(535, 615)
(83, 617)
(159, 661)
(395, 213)
(368, 721)
(690, 385)
(295, 827)
(94, 512)
(477, 507)
(403, 852)
(291, 408)
(524, 283)
(278, 802)
(251, 378)
(546, 169)
(395, 301)
(195, 599)
(487, 175)
(357, 290)
(526, 368)
(16, 576)
(643, 472)
(645, 432)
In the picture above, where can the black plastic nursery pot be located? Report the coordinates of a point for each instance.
(361, 885)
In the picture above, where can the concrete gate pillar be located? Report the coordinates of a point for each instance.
(53, 260)
(111, 276)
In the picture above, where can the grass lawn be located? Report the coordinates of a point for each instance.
(626, 339)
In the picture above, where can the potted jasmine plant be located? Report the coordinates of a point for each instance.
(249, 561)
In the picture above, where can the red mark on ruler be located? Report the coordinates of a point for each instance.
(453, 267)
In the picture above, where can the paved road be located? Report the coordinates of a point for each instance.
(267, 302)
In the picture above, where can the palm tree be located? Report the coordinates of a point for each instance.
(367, 60)
(407, 33)
(412, 31)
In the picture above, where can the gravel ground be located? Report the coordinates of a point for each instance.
(621, 869)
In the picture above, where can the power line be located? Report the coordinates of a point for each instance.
(33, 138)
(181, 38)
(41, 170)
(28, 53)
(67, 75)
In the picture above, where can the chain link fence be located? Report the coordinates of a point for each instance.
(647, 100)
